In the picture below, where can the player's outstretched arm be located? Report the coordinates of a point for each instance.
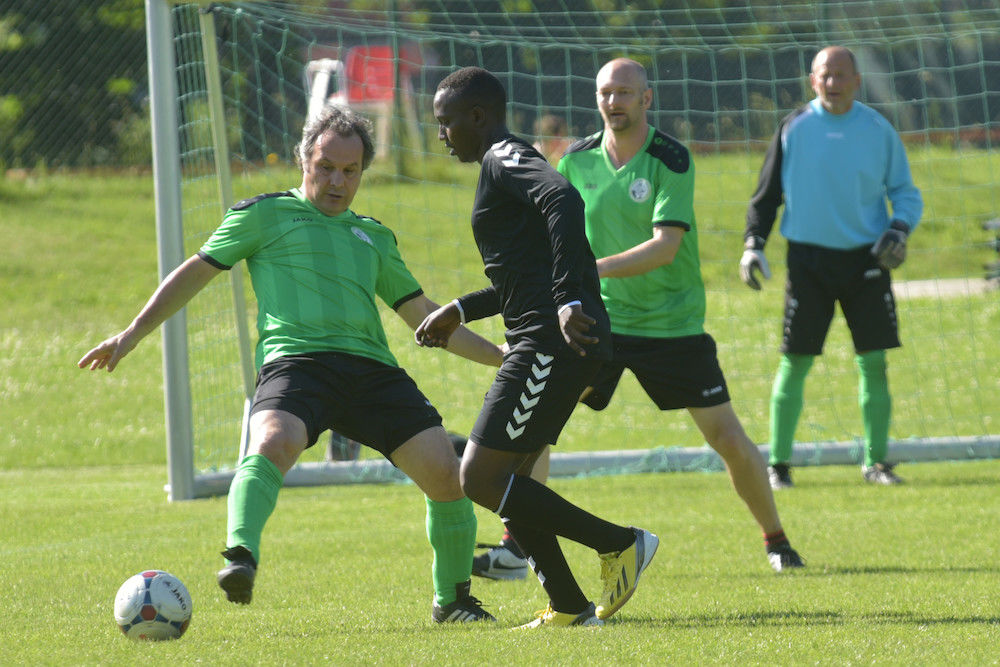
(176, 290)
(440, 326)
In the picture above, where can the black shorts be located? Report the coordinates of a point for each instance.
(820, 277)
(675, 372)
(531, 399)
(360, 398)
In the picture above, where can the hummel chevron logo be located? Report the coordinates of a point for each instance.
(533, 387)
(540, 372)
(512, 432)
(521, 418)
(513, 161)
(505, 152)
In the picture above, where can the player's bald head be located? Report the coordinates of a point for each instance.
(835, 55)
(623, 69)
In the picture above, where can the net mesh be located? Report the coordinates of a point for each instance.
(723, 75)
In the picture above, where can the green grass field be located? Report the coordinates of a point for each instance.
(904, 575)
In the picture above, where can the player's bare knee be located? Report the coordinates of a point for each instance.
(279, 450)
(733, 446)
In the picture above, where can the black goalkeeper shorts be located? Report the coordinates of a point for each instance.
(818, 278)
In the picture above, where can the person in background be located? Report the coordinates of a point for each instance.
(833, 163)
(552, 136)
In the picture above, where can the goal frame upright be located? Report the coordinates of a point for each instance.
(182, 482)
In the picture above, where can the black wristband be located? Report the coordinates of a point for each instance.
(901, 226)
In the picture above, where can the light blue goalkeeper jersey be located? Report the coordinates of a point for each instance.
(837, 173)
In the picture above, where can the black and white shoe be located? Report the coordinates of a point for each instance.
(880, 473)
(780, 476)
(784, 557)
(503, 561)
(464, 609)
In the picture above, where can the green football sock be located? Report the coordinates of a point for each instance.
(252, 497)
(786, 404)
(876, 404)
(451, 529)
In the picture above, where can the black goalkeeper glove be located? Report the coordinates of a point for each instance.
(890, 249)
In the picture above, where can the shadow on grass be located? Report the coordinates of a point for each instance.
(803, 618)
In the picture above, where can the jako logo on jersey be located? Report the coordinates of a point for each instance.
(640, 190)
(513, 160)
(361, 235)
(533, 387)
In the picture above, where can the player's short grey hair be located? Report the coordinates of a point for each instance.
(343, 122)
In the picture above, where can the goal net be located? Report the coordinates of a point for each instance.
(233, 82)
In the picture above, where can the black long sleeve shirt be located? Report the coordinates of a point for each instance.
(528, 223)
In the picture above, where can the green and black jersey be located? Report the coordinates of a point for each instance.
(315, 276)
(656, 187)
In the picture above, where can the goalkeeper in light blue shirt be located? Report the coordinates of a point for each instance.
(833, 163)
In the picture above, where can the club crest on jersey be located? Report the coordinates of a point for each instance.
(361, 235)
(640, 190)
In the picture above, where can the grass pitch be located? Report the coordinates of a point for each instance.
(903, 575)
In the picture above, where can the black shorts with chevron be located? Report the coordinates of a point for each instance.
(531, 400)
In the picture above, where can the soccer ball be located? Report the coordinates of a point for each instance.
(153, 605)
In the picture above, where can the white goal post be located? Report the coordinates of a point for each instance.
(182, 481)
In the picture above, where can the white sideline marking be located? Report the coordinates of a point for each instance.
(944, 287)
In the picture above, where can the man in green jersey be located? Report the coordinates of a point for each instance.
(324, 362)
(638, 186)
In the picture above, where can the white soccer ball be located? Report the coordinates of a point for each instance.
(153, 605)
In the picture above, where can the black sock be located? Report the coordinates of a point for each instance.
(533, 504)
(549, 563)
(775, 541)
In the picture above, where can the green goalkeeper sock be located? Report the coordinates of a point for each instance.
(786, 404)
(451, 529)
(876, 404)
(253, 495)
